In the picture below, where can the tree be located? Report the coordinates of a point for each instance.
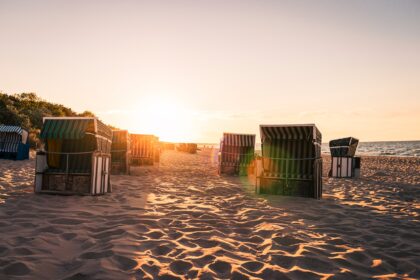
(28, 110)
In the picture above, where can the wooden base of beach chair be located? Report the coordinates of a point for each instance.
(141, 161)
(62, 183)
(303, 188)
(94, 182)
(236, 170)
(345, 167)
(120, 168)
(228, 170)
(7, 155)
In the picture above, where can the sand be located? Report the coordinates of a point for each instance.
(180, 220)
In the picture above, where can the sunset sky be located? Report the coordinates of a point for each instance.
(189, 70)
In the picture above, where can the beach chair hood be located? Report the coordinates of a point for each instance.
(16, 130)
(291, 160)
(291, 132)
(343, 147)
(241, 140)
(73, 128)
(14, 142)
(120, 139)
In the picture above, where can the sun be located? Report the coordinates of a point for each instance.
(164, 117)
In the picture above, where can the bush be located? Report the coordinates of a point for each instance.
(27, 110)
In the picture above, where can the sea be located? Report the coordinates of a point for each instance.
(388, 148)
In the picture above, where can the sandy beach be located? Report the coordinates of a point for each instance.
(180, 220)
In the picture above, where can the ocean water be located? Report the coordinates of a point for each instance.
(390, 148)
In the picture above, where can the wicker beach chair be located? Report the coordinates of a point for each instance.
(144, 149)
(190, 148)
(14, 142)
(291, 162)
(120, 152)
(236, 153)
(343, 162)
(76, 156)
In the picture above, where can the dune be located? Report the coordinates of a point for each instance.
(180, 220)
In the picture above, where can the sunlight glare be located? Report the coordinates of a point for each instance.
(165, 118)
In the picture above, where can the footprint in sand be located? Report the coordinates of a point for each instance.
(253, 266)
(69, 235)
(238, 276)
(314, 263)
(283, 261)
(151, 269)
(79, 276)
(221, 268)
(125, 263)
(286, 240)
(192, 274)
(155, 234)
(201, 262)
(16, 269)
(3, 250)
(161, 250)
(204, 243)
(180, 267)
(23, 251)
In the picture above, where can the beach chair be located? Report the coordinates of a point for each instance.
(144, 149)
(343, 162)
(167, 146)
(190, 148)
(14, 142)
(291, 162)
(120, 152)
(158, 149)
(236, 153)
(76, 158)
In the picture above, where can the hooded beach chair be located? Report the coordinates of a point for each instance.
(167, 146)
(76, 158)
(236, 153)
(14, 142)
(343, 162)
(190, 148)
(120, 152)
(144, 149)
(291, 161)
(158, 149)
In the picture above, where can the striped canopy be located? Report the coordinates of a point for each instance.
(11, 137)
(343, 146)
(11, 129)
(120, 136)
(103, 130)
(343, 142)
(143, 145)
(291, 132)
(120, 141)
(233, 139)
(62, 128)
(144, 137)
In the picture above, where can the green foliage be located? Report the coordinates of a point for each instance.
(27, 110)
(87, 114)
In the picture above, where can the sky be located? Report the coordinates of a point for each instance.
(191, 70)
